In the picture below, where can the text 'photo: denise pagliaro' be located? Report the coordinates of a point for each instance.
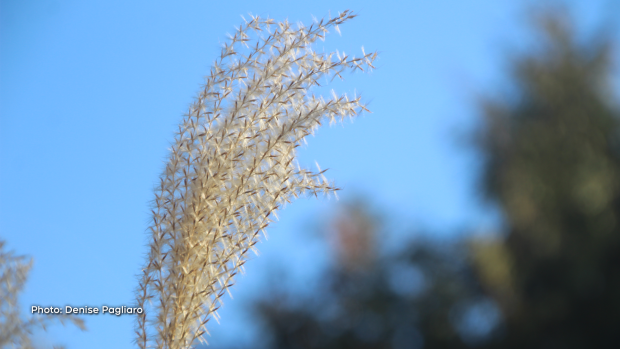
(35, 309)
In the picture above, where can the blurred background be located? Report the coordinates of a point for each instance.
(481, 198)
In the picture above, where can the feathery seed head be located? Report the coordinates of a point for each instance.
(231, 167)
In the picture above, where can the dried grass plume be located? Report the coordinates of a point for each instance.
(15, 332)
(231, 166)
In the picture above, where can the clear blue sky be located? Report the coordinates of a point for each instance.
(91, 92)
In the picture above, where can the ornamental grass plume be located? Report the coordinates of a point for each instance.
(231, 167)
(15, 332)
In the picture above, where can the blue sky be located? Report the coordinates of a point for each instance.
(91, 92)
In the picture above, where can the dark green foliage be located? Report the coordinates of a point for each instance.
(553, 165)
(406, 301)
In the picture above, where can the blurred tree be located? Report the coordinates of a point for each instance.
(418, 297)
(409, 301)
(553, 166)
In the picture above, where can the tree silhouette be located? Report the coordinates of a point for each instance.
(553, 166)
(418, 296)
